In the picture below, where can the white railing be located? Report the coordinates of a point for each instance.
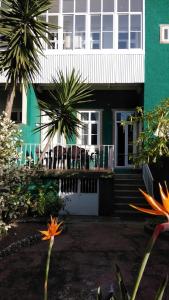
(148, 179)
(68, 156)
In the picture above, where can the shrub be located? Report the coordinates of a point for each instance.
(10, 140)
(14, 200)
(44, 198)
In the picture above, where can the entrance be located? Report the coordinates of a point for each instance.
(124, 137)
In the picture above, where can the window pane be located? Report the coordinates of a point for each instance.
(135, 40)
(94, 116)
(123, 41)
(95, 5)
(107, 40)
(68, 6)
(95, 32)
(53, 35)
(53, 20)
(107, 32)
(136, 23)
(118, 116)
(85, 140)
(94, 140)
(95, 23)
(85, 129)
(53, 38)
(54, 7)
(42, 18)
(94, 128)
(81, 6)
(136, 5)
(123, 5)
(166, 34)
(68, 32)
(107, 23)
(84, 116)
(79, 41)
(108, 5)
(123, 32)
(123, 23)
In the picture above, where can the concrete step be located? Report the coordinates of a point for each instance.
(129, 187)
(128, 176)
(127, 193)
(129, 181)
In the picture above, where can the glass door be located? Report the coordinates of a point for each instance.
(124, 137)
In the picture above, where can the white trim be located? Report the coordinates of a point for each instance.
(24, 105)
(88, 15)
(99, 129)
(126, 165)
(163, 28)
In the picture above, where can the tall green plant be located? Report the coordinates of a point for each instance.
(61, 106)
(22, 34)
(153, 141)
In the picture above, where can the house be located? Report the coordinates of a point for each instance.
(121, 47)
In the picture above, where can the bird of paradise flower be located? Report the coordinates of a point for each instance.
(156, 207)
(53, 230)
(161, 209)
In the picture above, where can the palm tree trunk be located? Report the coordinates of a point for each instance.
(44, 150)
(10, 101)
(42, 155)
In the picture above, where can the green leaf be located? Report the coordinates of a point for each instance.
(123, 291)
(160, 293)
(61, 105)
(99, 294)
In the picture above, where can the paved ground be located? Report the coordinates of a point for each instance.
(82, 259)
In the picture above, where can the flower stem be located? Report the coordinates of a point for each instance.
(47, 268)
(158, 229)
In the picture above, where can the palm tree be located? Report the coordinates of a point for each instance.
(61, 106)
(22, 33)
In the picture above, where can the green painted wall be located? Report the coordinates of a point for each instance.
(156, 55)
(33, 117)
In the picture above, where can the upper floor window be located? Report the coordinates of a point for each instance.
(96, 24)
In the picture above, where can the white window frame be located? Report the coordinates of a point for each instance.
(98, 122)
(87, 15)
(163, 28)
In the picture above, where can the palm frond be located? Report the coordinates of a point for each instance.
(22, 33)
(61, 106)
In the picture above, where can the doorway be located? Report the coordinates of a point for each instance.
(124, 137)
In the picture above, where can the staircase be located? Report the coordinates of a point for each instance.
(126, 185)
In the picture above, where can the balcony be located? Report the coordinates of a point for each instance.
(68, 157)
(95, 67)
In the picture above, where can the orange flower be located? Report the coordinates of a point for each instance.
(157, 208)
(53, 229)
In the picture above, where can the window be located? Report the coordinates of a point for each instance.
(164, 34)
(90, 132)
(130, 24)
(96, 24)
(52, 17)
(16, 116)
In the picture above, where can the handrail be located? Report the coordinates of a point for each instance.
(70, 156)
(148, 179)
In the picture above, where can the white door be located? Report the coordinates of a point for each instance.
(124, 137)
